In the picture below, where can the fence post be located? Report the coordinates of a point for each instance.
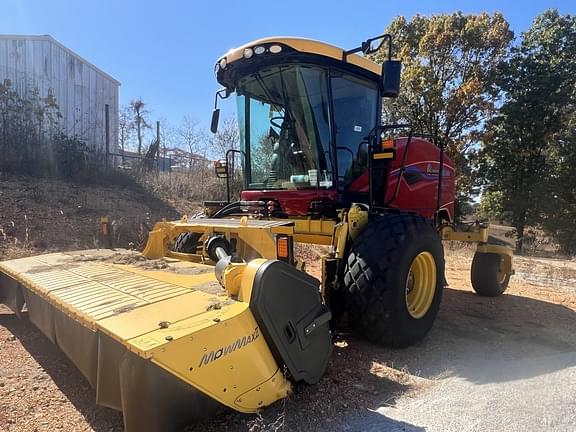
(158, 147)
(107, 131)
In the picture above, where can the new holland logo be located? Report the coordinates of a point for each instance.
(225, 350)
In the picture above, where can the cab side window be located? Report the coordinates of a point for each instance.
(355, 104)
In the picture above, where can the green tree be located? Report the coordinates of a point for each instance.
(559, 213)
(448, 68)
(521, 152)
(27, 124)
(492, 205)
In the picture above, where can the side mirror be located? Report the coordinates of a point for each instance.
(221, 168)
(373, 45)
(390, 83)
(215, 120)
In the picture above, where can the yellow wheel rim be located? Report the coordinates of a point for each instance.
(421, 285)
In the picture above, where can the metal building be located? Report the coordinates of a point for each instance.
(81, 89)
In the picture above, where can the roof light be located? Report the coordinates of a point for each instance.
(259, 50)
(248, 52)
(275, 49)
(223, 63)
(216, 68)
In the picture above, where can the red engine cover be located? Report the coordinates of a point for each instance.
(417, 190)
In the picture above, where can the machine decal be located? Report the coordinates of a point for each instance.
(225, 350)
(431, 169)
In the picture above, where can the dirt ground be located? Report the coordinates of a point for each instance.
(38, 215)
(40, 390)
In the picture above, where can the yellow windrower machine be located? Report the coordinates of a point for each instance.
(231, 319)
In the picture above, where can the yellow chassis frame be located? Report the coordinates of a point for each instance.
(480, 237)
(259, 236)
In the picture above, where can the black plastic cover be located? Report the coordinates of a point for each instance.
(289, 310)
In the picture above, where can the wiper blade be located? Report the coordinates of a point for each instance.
(266, 90)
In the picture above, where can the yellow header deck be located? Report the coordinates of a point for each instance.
(126, 301)
(113, 311)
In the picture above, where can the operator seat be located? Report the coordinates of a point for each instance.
(280, 166)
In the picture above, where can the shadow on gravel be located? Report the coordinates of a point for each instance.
(374, 422)
(64, 374)
(486, 340)
(343, 400)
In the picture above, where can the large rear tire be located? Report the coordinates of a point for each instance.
(489, 278)
(394, 276)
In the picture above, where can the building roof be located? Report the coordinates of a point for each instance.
(50, 39)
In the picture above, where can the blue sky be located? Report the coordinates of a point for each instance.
(164, 52)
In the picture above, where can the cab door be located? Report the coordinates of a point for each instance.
(355, 105)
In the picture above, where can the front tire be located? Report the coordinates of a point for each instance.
(188, 242)
(488, 277)
(394, 277)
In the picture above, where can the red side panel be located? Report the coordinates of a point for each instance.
(418, 188)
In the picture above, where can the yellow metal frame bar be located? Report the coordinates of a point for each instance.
(480, 236)
(260, 238)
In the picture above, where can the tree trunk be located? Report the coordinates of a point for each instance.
(519, 238)
(139, 131)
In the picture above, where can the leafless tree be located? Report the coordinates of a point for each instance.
(193, 139)
(225, 139)
(125, 128)
(139, 114)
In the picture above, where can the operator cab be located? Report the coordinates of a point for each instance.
(305, 112)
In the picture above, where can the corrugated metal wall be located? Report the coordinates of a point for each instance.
(80, 88)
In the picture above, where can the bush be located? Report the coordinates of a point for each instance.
(74, 157)
(31, 140)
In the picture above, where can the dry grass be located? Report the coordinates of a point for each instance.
(38, 215)
(183, 190)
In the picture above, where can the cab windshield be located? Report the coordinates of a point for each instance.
(285, 127)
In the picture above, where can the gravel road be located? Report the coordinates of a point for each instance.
(504, 364)
(518, 396)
